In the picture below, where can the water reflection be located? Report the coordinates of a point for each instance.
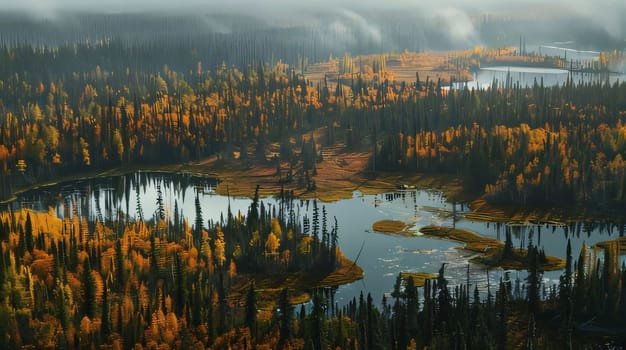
(118, 199)
(529, 76)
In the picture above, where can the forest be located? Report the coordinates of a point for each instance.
(156, 280)
(160, 281)
(544, 144)
(163, 282)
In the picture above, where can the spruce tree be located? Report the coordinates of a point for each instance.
(533, 281)
(565, 298)
(89, 290)
(285, 319)
(105, 325)
(28, 234)
(199, 223)
(251, 309)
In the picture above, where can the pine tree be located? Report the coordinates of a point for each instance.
(286, 319)
(89, 290)
(501, 317)
(580, 286)
(333, 245)
(565, 298)
(444, 299)
(533, 281)
(28, 234)
(105, 325)
(62, 298)
(315, 231)
(508, 243)
(119, 265)
(252, 221)
(412, 308)
(180, 280)
(177, 220)
(325, 249)
(197, 230)
(318, 317)
(251, 309)
(159, 201)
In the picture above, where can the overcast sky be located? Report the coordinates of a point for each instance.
(607, 14)
(255, 6)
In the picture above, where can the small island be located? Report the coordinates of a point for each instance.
(395, 227)
(493, 252)
(419, 278)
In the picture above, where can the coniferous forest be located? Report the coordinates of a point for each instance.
(75, 105)
(65, 110)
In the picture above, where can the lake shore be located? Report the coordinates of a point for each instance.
(339, 175)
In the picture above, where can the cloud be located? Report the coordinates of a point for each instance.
(458, 25)
(350, 20)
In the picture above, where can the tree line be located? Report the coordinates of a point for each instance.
(542, 144)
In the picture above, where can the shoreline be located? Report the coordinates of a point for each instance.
(338, 178)
(335, 180)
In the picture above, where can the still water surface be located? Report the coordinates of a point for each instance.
(382, 256)
(528, 76)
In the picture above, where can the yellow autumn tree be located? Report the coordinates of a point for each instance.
(271, 245)
(220, 249)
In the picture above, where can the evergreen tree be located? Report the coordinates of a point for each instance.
(565, 298)
(318, 317)
(159, 201)
(199, 223)
(120, 276)
(285, 319)
(89, 290)
(180, 280)
(105, 325)
(508, 243)
(251, 309)
(444, 301)
(580, 286)
(533, 281)
(28, 234)
(315, 231)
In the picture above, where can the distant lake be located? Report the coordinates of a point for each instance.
(382, 256)
(561, 49)
(527, 76)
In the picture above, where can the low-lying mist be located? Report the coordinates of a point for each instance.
(333, 27)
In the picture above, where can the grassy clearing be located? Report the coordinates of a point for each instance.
(490, 249)
(419, 278)
(339, 175)
(399, 67)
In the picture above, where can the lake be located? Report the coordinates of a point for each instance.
(527, 76)
(382, 256)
